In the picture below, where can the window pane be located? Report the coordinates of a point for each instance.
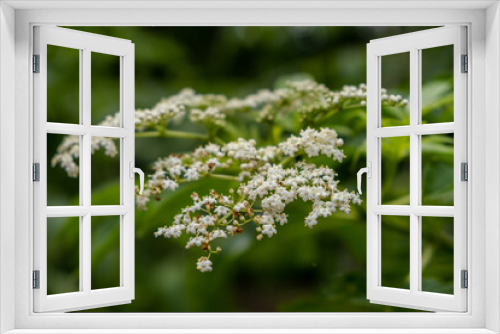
(395, 251)
(105, 89)
(63, 255)
(395, 170)
(395, 79)
(437, 169)
(105, 171)
(105, 252)
(63, 181)
(63, 85)
(437, 254)
(437, 85)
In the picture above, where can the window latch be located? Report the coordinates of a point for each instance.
(368, 171)
(139, 171)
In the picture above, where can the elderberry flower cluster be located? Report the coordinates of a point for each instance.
(261, 201)
(264, 179)
(206, 161)
(211, 115)
(314, 143)
(69, 150)
(273, 182)
(314, 102)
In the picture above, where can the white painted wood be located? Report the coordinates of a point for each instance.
(492, 187)
(407, 210)
(259, 331)
(413, 43)
(415, 255)
(86, 297)
(425, 129)
(80, 130)
(471, 322)
(7, 167)
(248, 4)
(79, 211)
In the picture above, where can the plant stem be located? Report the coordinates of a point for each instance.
(171, 134)
(287, 160)
(224, 177)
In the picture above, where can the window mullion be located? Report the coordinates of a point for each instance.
(85, 248)
(415, 254)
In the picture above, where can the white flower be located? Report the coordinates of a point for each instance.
(306, 193)
(221, 210)
(345, 208)
(210, 115)
(273, 203)
(239, 207)
(174, 231)
(207, 220)
(159, 232)
(311, 220)
(314, 142)
(323, 212)
(204, 264)
(176, 170)
(191, 174)
(170, 185)
(219, 234)
(268, 230)
(192, 228)
(225, 200)
(196, 241)
(267, 220)
(143, 199)
(281, 218)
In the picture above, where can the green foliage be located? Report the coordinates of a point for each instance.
(299, 270)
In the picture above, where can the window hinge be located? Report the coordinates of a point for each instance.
(465, 64)
(36, 279)
(465, 279)
(36, 172)
(464, 171)
(36, 63)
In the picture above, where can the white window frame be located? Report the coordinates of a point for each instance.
(413, 44)
(483, 20)
(85, 43)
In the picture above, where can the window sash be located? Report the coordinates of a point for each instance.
(86, 297)
(413, 43)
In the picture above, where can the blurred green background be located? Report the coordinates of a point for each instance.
(300, 269)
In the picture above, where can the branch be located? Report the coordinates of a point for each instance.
(171, 134)
(223, 177)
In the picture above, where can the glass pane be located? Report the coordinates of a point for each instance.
(105, 89)
(395, 251)
(437, 254)
(63, 255)
(63, 85)
(437, 84)
(105, 252)
(63, 181)
(105, 171)
(437, 169)
(395, 154)
(395, 81)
